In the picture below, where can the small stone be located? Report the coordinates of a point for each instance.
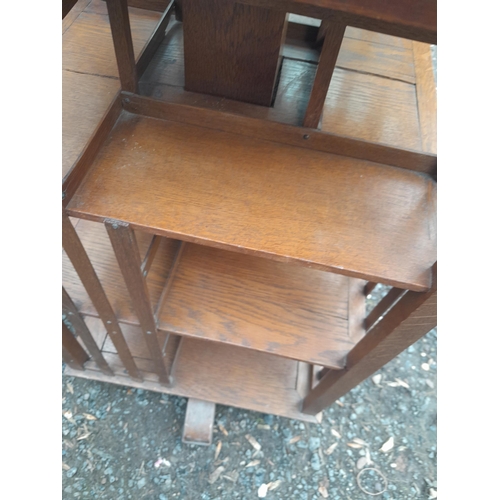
(71, 472)
(141, 483)
(315, 462)
(108, 471)
(314, 443)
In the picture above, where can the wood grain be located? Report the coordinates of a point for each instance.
(372, 108)
(198, 422)
(221, 374)
(383, 306)
(232, 50)
(426, 96)
(259, 304)
(96, 242)
(127, 254)
(70, 17)
(253, 196)
(334, 33)
(83, 267)
(411, 318)
(85, 99)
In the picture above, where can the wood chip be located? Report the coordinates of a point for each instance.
(70, 388)
(323, 491)
(253, 442)
(68, 415)
(253, 463)
(319, 417)
(215, 475)
(223, 430)
(361, 463)
(433, 493)
(294, 440)
(339, 403)
(273, 485)
(231, 476)
(426, 367)
(264, 427)
(329, 451)
(368, 457)
(377, 378)
(356, 446)
(402, 383)
(388, 445)
(65, 466)
(360, 441)
(88, 416)
(217, 450)
(335, 433)
(83, 436)
(430, 383)
(262, 491)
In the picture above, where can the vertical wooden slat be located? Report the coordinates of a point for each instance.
(81, 262)
(127, 254)
(198, 422)
(72, 352)
(83, 332)
(122, 40)
(385, 303)
(369, 287)
(410, 319)
(334, 33)
(150, 255)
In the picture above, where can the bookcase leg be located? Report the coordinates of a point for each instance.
(72, 352)
(199, 422)
(410, 319)
(127, 254)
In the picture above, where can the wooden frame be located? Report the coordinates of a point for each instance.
(157, 353)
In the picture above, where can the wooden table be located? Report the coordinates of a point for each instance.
(226, 213)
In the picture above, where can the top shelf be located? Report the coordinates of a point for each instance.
(225, 190)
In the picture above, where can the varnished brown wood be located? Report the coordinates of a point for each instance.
(411, 318)
(170, 277)
(150, 255)
(198, 422)
(70, 17)
(406, 18)
(76, 253)
(426, 96)
(334, 33)
(83, 332)
(72, 352)
(154, 41)
(158, 5)
(67, 5)
(221, 374)
(171, 352)
(286, 134)
(80, 168)
(369, 287)
(232, 50)
(236, 209)
(382, 307)
(122, 41)
(127, 254)
(259, 304)
(100, 252)
(357, 310)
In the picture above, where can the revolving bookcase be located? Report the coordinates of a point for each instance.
(237, 180)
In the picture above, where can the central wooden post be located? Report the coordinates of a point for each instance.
(232, 50)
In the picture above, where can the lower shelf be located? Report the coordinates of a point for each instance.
(220, 374)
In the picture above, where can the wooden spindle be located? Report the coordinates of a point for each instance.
(73, 353)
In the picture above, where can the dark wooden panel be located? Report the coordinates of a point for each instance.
(232, 50)
(67, 5)
(254, 196)
(72, 352)
(70, 17)
(402, 18)
(259, 304)
(221, 374)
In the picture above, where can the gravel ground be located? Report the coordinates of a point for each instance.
(121, 443)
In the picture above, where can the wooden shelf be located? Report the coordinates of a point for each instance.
(254, 196)
(213, 372)
(221, 296)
